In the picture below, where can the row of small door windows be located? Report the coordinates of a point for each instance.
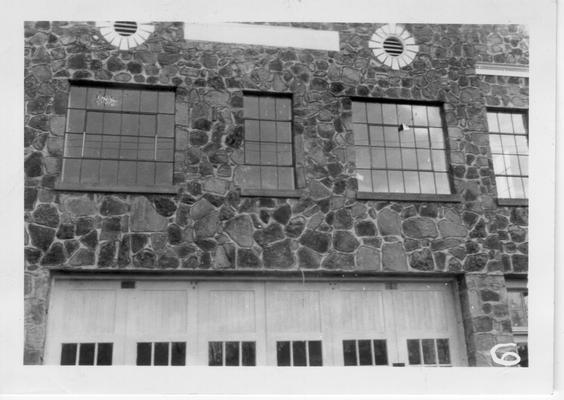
(299, 353)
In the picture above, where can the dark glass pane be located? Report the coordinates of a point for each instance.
(413, 352)
(249, 354)
(75, 123)
(232, 353)
(112, 124)
(283, 354)
(143, 354)
(315, 353)
(148, 101)
(86, 354)
(147, 125)
(178, 353)
(443, 351)
(130, 124)
(380, 352)
(163, 174)
(165, 125)
(215, 353)
(68, 354)
(94, 122)
(166, 102)
(146, 173)
(105, 351)
(349, 352)
(77, 97)
(299, 353)
(364, 352)
(127, 174)
(266, 107)
(130, 100)
(161, 353)
(268, 154)
(71, 170)
(108, 172)
(429, 355)
(523, 351)
(250, 104)
(90, 171)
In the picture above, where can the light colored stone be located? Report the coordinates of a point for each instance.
(144, 217)
(217, 186)
(450, 229)
(318, 191)
(393, 257)
(240, 229)
(207, 226)
(368, 258)
(388, 222)
(419, 227)
(82, 205)
(200, 208)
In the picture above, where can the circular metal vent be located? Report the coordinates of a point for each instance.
(393, 46)
(125, 34)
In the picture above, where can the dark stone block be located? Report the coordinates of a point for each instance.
(40, 122)
(65, 231)
(32, 255)
(145, 259)
(365, 228)
(33, 165)
(30, 196)
(345, 241)
(268, 235)
(168, 261)
(316, 240)
(475, 262)
(338, 261)
(90, 239)
(113, 206)
(174, 235)
(442, 244)
(198, 138)
(520, 216)
(264, 216)
(84, 225)
(440, 259)
(106, 254)
(520, 262)
(282, 214)
(114, 64)
(134, 67)
(215, 200)
(422, 260)
(247, 258)
(77, 61)
(164, 206)
(278, 255)
(308, 259)
(295, 227)
(343, 219)
(41, 237)
(123, 259)
(517, 234)
(428, 210)
(489, 295)
(202, 124)
(206, 244)
(71, 246)
(479, 230)
(482, 324)
(420, 228)
(111, 228)
(492, 242)
(82, 257)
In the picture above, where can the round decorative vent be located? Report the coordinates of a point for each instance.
(393, 46)
(125, 34)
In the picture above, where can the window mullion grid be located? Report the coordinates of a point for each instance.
(399, 148)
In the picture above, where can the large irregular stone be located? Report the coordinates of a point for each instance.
(368, 258)
(442, 244)
(419, 228)
(78, 206)
(65, 231)
(365, 228)
(41, 237)
(308, 259)
(282, 214)
(315, 240)
(82, 257)
(393, 257)
(207, 226)
(144, 217)
(388, 222)
(164, 206)
(174, 234)
(111, 228)
(451, 229)
(84, 225)
(520, 262)
(338, 261)
(46, 214)
(278, 255)
(145, 259)
(123, 259)
(318, 190)
(224, 256)
(247, 258)
(520, 216)
(270, 234)
(55, 255)
(422, 260)
(240, 229)
(295, 227)
(345, 241)
(113, 206)
(200, 208)
(343, 219)
(33, 165)
(168, 260)
(107, 254)
(90, 239)
(475, 262)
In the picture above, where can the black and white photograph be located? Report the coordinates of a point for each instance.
(313, 196)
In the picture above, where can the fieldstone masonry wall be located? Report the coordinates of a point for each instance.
(208, 225)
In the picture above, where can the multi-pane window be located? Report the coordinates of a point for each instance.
(268, 142)
(86, 353)
(365, 352)
(119, 136)
(161, 353)
(428, 352)
(400, 148)
(300, 353)
(232, 354)
(518, 309)
(510, 153)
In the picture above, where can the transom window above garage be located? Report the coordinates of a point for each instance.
(400, 148)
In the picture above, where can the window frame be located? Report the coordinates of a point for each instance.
(520, 333)
(451, 197)
(161, 188)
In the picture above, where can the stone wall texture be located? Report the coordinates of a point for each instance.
(209, 225)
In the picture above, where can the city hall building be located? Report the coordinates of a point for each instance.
(283, 194)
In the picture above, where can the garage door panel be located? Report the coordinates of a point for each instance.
(157, 312)
(89, 311)
(294, 311)
(421, 311)
(361, 310)
(231, 311)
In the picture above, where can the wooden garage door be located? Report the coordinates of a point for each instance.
(231, 323)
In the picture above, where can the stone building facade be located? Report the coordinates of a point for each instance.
(211, 222)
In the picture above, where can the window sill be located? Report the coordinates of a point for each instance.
(271, 193)
(513, 202)
(164, 189)
(444, 198)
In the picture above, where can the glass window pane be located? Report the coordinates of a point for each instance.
(393, 158)
(443, 351)
(145, 173)
(434, 115)
(379, 181)
(94, 122)
(391, 136)
(299, 353)
(395, 180)
(128, 148)
(76, 121)
(377, 136)
(178, 353)
(407, 138)
(284, 154)
(518, 123)
(437, 138)
(508, 142)
(523, 351)
(364, 180)
(442, 183)
(349, 352)
(77, 97)
(409, 158)
(73, 145)
(525, 187)
(252, 130)
(413, 353)
(283, 109)
(130, 124)
(269, 177)
(268, 131)
(127, 173)
(358, 112)
(411, 182)
(499, 163)
(315, 356)
(267, 107)
(268, 154)
(420, 115)
(165, 149)
(166, 102)
(110, 146)
(249, 354)
(215, 353)
(522, 144)
(424, 159)
(165, 125)
(252, 153)
(71, 170)
(378, 157)
(389, 114)
(148, 101)
(284, 132)
(108, 172)
(422, 138)
(147, 125)
(360, 132)
(68, 354)
(89, 173)
(495, 144)
(251, 178)
(427, 180)
(112, 124)
(404, 114)
(364, 352)
(505, 124)
(250, 104)
(380, 352)
(502, 187)
(113, 99)
(516, 187)
(232, 353)
(283, 354)
(143, 354)
(86, 354)
(285, 178)
(130, 100)
(439, 160)
(104, 354)
(374, 113)
(429, 354)
(493, 126)
(512, 165)
(363, 157)
(94, 99)
(163, 174)
(146, 148)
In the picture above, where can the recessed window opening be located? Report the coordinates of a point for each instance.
(393, 46)
(161, 353)
(232, 354)
(86, 353)
(125, 28)
(299, 353)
